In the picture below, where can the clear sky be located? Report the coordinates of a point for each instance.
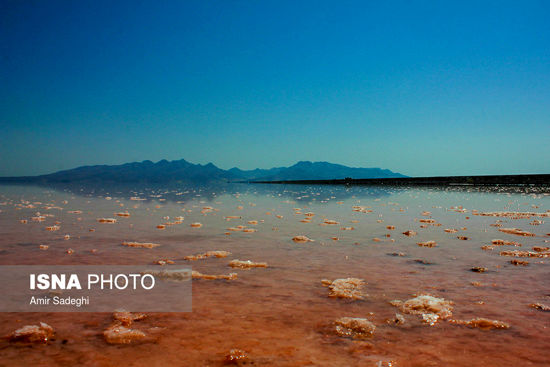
(418, 87)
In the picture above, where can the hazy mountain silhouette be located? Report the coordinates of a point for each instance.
(181, 170)
(305, 170)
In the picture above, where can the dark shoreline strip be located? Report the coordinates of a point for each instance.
(505, 180)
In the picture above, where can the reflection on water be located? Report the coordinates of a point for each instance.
(282, 315)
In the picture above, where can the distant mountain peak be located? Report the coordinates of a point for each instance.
(307, 170)
(181, 170)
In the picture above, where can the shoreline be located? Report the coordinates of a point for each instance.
(490, 180)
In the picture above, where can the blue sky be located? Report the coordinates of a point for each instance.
(423, 88)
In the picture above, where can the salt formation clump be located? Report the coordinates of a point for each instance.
(354, 327)
(519, 262)
(517, 232)
(482, 323)
(498, 242)
(345, 288)
(431, 222)
(463, 238)
(197, 275)
(540, 306)
(478, 269)
(330, 221)
(124, 214)
(450, 230)
(106, 220)
(229, 217)
(397, 320)
(33, 333)
(140, 244)
(512, 215)
(207, 254)
(301, 239)
(427, 244)
(127, 318)
(410, 233)
(196, 225)
(164, 262)
(247, 264)
(236, 356)
(430, 308)
(519, 253)
(118, 334)
(240, 227)
(52, 228)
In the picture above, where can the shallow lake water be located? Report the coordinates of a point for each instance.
(282, 315)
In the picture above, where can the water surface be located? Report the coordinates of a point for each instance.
(281, 315)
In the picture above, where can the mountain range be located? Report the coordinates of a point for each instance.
(180, 170)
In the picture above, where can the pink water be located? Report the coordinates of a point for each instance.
(282, 315)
